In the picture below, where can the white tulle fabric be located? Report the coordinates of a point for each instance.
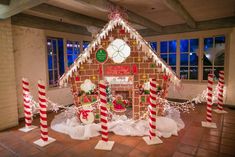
(120, 125)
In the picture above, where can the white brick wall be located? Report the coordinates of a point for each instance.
(8, 100)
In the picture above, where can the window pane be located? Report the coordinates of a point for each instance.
(49, 62)
(172, 46)
(76, 47)
(54, 46)
(70, 59)
(153, 45)
(208, 43)
(219, 51)
(69, 47)
(220, 40)
(51, 77)
(184, 72)
(194, 45)
(207, 59)
(206, 71)
(85, 44)
(61, 56)
(216, 71)
(163, 46)
(184, 45)
(172, 59)
(54, 61)
(193, 59)
(193, 73)
(164, 57)
(184, 59)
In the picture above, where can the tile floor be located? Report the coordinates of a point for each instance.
(191, 141)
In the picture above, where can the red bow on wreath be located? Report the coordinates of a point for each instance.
(84, 113)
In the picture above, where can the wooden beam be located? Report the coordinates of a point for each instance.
(17, 6)
(59, 14)
(41, 23)
(204, 25)
(5, 2)
(103, 5)
(177, 7)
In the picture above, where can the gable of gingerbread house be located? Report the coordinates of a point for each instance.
(141, 52)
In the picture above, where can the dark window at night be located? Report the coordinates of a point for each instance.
(85, 44)
(153, 45)
(189, 59)
(73, 50)
(55, 54)
(168, 52)
(213, 57)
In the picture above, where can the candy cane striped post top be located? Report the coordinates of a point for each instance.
(221, 90)
(43, 110)
(209, 98)
(103, 110)
(152, 108)
(26, 101)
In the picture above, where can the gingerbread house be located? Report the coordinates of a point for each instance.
(121, 56)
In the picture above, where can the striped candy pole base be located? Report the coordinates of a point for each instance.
(27, 107)
(104, 144)
(45, 140)
(152, 139)
(208, 122)
(220, 94)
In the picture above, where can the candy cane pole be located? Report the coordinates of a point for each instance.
(209, 98)
(220, 94)
(45, 140)
(221, 91)
(43, 110)
(152, 139)
(27, 107)
(152, 108)
(103, 111)
(104, 144)
(208, 122)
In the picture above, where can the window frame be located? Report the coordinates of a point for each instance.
(65, 37)
(192, 35)
(189, 66)
(213, 64)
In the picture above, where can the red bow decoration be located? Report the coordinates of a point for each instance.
(84, 113)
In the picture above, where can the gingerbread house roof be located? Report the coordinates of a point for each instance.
(83, 57)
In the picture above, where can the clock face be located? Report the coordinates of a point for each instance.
(118, 50)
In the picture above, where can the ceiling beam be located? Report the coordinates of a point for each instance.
(103, 5)
(5, 2)
(66, 16)
(204, 25)
(41, 23)
(177, 7)
(17, 6)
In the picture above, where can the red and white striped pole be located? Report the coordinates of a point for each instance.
(104, 143)
(45, 139)
(152, 108)
(27, 106)
(103, 110)
(209, 98)
(28, 113)
(152, 138)
(43, 110)
(221, 91)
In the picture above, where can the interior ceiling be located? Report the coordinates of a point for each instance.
(157, 11)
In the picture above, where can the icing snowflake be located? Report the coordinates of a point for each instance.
(118, 50)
